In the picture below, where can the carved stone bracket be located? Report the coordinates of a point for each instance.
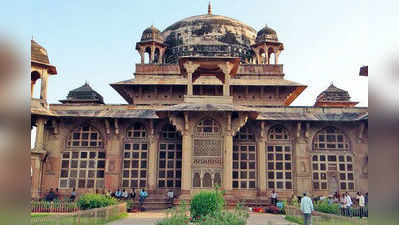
(54, 125)
(261, 133)
(178, 122)
(190, 67)
(239, 122)
(298, 130)
(226, 68)
(107, 127)
(307, 135)
(116, 124)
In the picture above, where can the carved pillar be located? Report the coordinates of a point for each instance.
(276, 55)
(32, 87)
(152, 54)
(261, 160)
(228, 155)
(226, 69)
(43, 90)
(190, 68)
(141, 51)
(39, 142)
(301, 158)
(186, 182)
(152, 159)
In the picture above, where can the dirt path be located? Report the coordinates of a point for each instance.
(151, 217)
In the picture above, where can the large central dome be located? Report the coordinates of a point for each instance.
(208, 35)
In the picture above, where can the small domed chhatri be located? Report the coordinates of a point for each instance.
(151, 34)
(266, 34)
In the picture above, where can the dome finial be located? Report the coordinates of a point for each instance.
(209, 8)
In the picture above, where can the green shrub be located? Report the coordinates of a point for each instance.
(176, 216)
(91, 201)
(238, 217)
(323, 206)
(206, 202)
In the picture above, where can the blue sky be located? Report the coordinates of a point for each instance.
(325, 41)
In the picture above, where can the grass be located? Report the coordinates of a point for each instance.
(71, 220)
(323, 221)
(294, 219)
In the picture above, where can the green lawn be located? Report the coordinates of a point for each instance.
(40, 219)
(323, 221)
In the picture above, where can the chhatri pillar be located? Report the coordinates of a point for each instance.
(190, 68)
(226, 69)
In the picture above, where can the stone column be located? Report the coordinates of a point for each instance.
(43, 90)
(32, 87)
(141, 51)
(36, 169)
(39, 142)
(228, 161)
(152, 161)
(276, 55)
(152, 54)
(228, 155)
(190, 68)
(226, 69)
(302, 158)
(261, 160)
(186, 182)
(261, 165)
(114, 156)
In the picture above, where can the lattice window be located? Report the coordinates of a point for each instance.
(208, 127)
(137, 131)
(277, 133)
(244, 165)
(324, 163)
(244, 159)
(279, 167)
(82, 169)
(245, 134)
(169, 133)
(134, 173)
(170, 158)
(330, 138)
(85, 136)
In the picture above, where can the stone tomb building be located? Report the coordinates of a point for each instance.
(208, 105)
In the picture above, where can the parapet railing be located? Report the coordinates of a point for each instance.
(81, 217)
(243, 69)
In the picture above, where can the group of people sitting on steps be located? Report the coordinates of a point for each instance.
(122, 194)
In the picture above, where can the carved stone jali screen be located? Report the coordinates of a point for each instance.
(207, 156)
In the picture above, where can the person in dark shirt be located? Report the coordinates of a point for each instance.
(50, 196)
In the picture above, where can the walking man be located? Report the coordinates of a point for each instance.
(307, 209)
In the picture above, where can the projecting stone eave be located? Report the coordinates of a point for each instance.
(120, 87)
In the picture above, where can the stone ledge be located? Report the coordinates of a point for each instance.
(208, 99)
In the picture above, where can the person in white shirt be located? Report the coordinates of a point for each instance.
(125, 195)
(348, 204)
(170, 198)
(362, 204)
(307, 209)
(274, 198)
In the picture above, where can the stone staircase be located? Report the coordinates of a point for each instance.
(156, 200)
